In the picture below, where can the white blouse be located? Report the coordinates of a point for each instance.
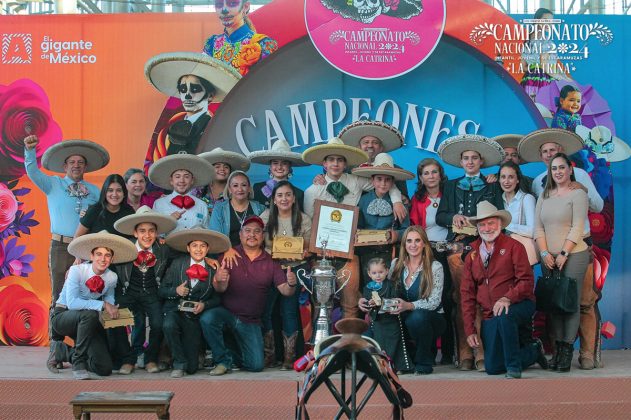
(433, 301)
(522, 210)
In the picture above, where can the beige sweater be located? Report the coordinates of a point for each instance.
(284, 226)
(561, 218)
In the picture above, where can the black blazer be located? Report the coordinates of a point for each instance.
(163, 255)
(176, 275)
(260, 197)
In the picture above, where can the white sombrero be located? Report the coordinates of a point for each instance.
(217, 242)
(145, 214)
(236, 161)
(383, 165)
(124, 250)
(508, 140)
(390, 136)
(452, 148)
(484, 210)
(604, 144)
(95, 155)
(164, 70)
(280, 151)
(528, 147)
(160, 172)
(335, 146)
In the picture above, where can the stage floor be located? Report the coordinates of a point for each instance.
(28, 390)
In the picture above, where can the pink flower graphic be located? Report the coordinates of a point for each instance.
(8, 207)
(24, 104)
(394, 4)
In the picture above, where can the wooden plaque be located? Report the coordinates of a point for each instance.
(337, 224)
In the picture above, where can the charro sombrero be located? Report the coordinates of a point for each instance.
(484, 210)
(280, 151)
(528, 147)
(236, 161)
(217, 242)
(95, 155)
(452, 148)
(390, 136)
(335, 146)
(160, 172)
(124, 249)
(508, 140)
(383, 165)
(145, 214)
(604, 144)
(164, 70)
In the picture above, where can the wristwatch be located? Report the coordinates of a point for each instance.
(544, 254)
(564, 253)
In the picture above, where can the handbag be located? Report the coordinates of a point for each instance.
(556, 293)
(528, 243)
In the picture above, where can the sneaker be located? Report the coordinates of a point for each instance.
(126, 369)
(81, 374)
(152, 367)
(219, 370)
(177, 373)
(541, 354)
(512, 375)
(140, 361)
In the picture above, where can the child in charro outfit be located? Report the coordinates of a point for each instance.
(385, 328)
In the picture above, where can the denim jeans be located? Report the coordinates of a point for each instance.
(288, 311)
(249, 338)
(424, 327)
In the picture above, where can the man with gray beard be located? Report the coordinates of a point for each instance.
(498, 277)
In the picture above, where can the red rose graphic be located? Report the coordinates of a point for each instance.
(8, 207)
(24, 103)
(23, 317)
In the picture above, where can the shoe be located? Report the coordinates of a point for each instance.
(81, 374)
(541, 355)
(126, 369)
(163, 366)
(586, 363)
(152, 367)
(177, 373)
(466, 364)
(219, 370)
(140, 361)
(290, 351)
(209, 360)
(512, 375)
(565, 360)
(51, 362)
(553, 363)
(479, 365)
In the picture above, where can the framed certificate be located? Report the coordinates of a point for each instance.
(336, 225)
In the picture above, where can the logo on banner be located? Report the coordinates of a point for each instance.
(546, 45)
(67, 52)
(375, 39)
(17, 48)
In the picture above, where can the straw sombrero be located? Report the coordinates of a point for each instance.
(124, 249)
(452, 148)
(528, 147)
(383, 165)
(508, 140)
(95, 155)
(316, 154)
(484, 210)
(160, 172)
(280, 151)
(164, 70)
(164, 223)
(390, 136)
(217, 242)
(236, 161)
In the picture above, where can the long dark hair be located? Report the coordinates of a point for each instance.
(111, 179)
(296, 215)
(550, 182)
(427, 259)
(421, 190)
(521, 185)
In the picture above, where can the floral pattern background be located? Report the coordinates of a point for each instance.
(24, 109)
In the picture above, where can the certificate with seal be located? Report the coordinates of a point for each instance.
(333, 227)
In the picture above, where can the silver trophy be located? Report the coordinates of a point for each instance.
(323, 278)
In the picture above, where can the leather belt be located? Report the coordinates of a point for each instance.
(62, 238)
(59, 305)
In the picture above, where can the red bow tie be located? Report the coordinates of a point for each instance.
(183, 201)
(145, 258)
(198, 272)
(95, 284)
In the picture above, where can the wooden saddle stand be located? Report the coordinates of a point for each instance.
(360, 354)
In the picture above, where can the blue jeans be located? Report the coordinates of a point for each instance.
(288, 311)
(500, 336)
(249, 338)
(424, 327)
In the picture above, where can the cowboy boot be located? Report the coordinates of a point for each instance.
(565, 361)
(290, 351)
(553, 363)
(269, 349)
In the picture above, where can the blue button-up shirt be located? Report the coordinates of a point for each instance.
(369, 221)
(63, 209)
(77, 296)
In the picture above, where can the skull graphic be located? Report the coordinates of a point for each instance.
(368, 10)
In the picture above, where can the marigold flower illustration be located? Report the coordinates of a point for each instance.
(23, 317)
(24, 104)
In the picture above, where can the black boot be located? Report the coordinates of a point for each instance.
(553, 363)
(565, 361)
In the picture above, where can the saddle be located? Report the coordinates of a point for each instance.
(362, 354)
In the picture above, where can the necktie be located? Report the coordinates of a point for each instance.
(95, 284)
(183, 201)
(196, 271)
(337, 190)
(145, 258)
